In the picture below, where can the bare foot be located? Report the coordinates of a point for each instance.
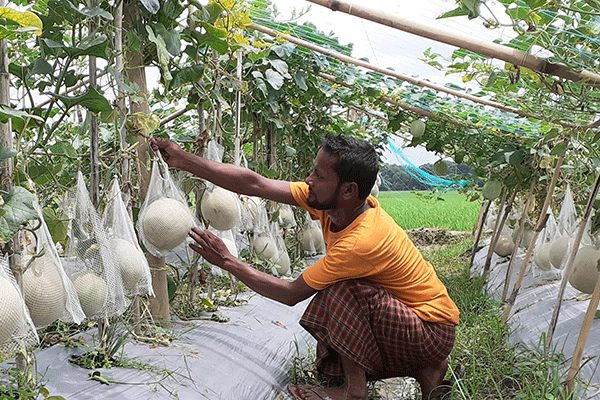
(431, 379)
(335, 393)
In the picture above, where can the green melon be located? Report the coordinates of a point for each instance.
(417, 128)
(491, 189)
(311, 239)
(282, 263)
(440, 168)
(220, 208)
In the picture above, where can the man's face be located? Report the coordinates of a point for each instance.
(323, 183)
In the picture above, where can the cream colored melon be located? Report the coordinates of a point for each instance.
(131, 262)
(585, 269)
(265, 247)
(282, 263)
(541, 257)
(558, 252)
(220, 208)
(417, 128)
(311, 239)
(286, 216)
(166, 223)
(11, 310)
(44, 290)
(92, 292)
(504, 246)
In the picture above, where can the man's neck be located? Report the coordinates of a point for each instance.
(342, 217)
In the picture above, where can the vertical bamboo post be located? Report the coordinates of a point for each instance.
(539, 226)
(478, 233)
(570, 262)
(500, 221)
(519, 237)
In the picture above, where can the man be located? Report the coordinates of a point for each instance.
(380, 310)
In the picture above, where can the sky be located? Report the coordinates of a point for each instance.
(387, 47)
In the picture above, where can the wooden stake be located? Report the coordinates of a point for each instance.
(505, 210)
(538, 228)
(479, 230)
(570, 262)
(457, 39)
(519, 237)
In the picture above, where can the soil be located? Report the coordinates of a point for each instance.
(428, 239)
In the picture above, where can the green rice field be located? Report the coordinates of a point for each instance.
(411, 211)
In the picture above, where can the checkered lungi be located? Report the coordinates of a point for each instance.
(363, 321)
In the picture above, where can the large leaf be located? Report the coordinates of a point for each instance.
(151, 5)
(91, 99)
(26, 19)
(187, 75)
(7, 113)
(95, 47)
(274, 78)
(6, 153)
(58, 225)
(18, 209)
(161, 52)
(171, 38)
(63, 148)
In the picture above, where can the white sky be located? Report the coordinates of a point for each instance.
(387, 47)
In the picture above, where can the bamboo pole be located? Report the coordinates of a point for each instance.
(584, 332)
(457, 39)
(479, 230)
(570, 263)
(519, 237)
(541, 223)
(500, 221)
(407, 78)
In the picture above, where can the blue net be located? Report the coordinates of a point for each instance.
(422, 176)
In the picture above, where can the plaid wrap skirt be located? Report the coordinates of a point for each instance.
(364, 322)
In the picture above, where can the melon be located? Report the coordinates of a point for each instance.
(282, 263)
(440, 168)
(375, 190)
(491, 189)
(252, 204)
(220, 208)
(585, 269)
(44, 290)
(417, 128)
(11, 310)
(265, 247)
(525, 238)
(286, 217)
(558, 252)
(504, 246)
(92, 292)
(131, 262)
(166, 223)
(541, 257)
(311, 239)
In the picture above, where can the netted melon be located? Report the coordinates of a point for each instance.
(44, 290)
(92, 292)
(11, 310)
(131, 262)
(286, 217)
(265, 247)
(585, 269)
(220, 208)
(311, 239)
(166, 223)
(282, 263)
(491, 189)
(417, 128)
(558, 252)
(541, 257)
(440, 168)
(504, 246)
(252, 205)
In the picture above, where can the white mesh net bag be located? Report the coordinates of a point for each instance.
(282, 261)
(541, 254)
(165, 219)
(311, 237)
(48, 291)
(263, 241)
(286, 217)
(122, 240)
(228, 237)
(220, 208)
(17, 331)
(90, 260)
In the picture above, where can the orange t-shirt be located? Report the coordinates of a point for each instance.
(374, 247)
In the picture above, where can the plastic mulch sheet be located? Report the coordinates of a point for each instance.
(248, 357)
(531, 314)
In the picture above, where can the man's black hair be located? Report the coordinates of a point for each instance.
(357, 161)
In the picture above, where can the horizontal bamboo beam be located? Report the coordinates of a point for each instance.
(457, 39)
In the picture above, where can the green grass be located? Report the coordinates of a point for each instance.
(450, 210)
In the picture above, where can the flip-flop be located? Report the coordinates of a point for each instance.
(295, 391)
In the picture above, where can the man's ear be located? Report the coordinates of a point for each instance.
(349, 190)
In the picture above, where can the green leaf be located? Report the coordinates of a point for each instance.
(100, 377)
(281, 67)
(151, 5)
(93, 12)
(6, 153)
(187, 75)
(63, 148)
(300, 78)
(18, 208)
(560, 148)
(91, 99)
(58, 225)
(7, 113)
(171, 38)
(213, 31)
(457, 12)
(274, 78)
(26, 18)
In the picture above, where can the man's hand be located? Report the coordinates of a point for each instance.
(209, 246)
(171, 152)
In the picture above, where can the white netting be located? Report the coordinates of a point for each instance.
(311, 237)
(17, 331)
(263, 241)
(90, 261)
(48, 291)
(251, 207)
(286, 216)
(282, 262)
(541, 255)
(131, 261)
(165, 219)
(567, 217)
(228, 237)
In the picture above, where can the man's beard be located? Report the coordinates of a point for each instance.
(321, 206)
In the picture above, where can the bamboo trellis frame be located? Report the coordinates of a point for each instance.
(457, 39)
(500, 221)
